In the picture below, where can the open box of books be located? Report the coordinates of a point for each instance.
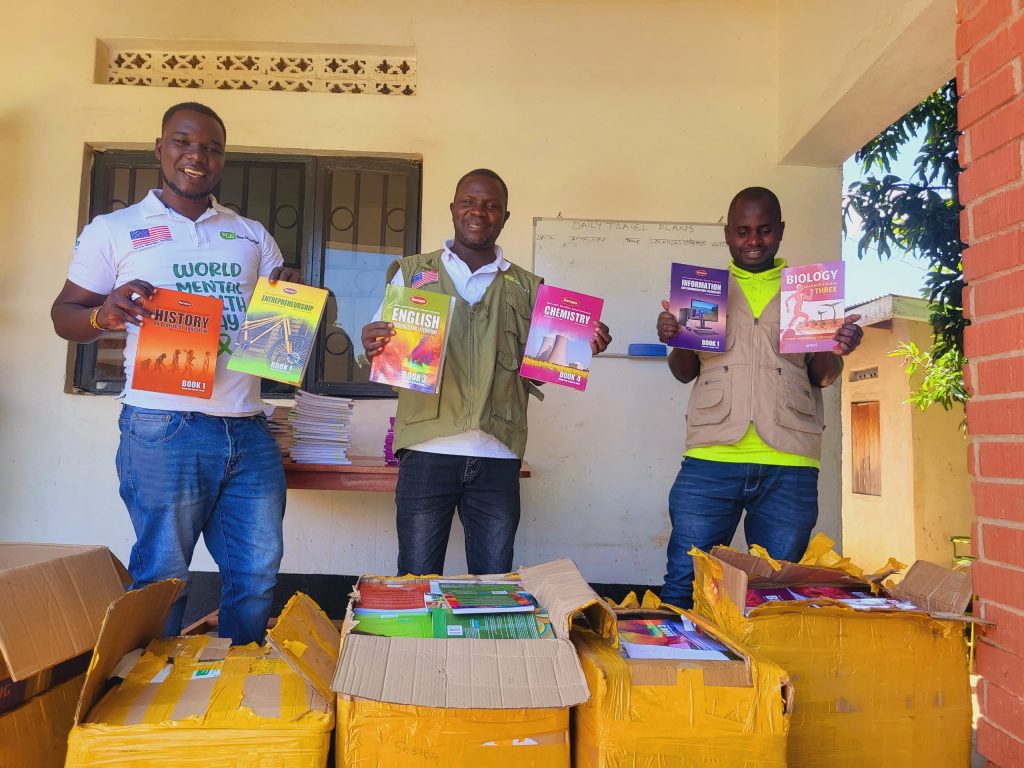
(669, 690)
(878, 669)
(462, 671)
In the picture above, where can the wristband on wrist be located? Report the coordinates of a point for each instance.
(94, 320)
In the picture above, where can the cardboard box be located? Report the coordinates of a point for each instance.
(884, 687)
(197, 701)
(422, 702)
(670, 713)
(52, 601)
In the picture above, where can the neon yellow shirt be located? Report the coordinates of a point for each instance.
(758, 288)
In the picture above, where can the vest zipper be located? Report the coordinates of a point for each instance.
(472, 360)
(754, 365)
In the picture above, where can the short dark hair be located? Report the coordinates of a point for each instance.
(759, 195)
(193, 106)
(489, 174)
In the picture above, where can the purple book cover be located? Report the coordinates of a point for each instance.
(698, 299)
(558, 347)
(812, 307)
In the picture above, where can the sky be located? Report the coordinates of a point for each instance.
(870, 277)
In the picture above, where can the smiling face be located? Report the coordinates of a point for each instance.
(191, 155)
(754, 232)
(478, 213)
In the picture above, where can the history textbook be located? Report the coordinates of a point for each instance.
(812, 307)
(414, 357)
(558, 346)
(177, 348)
(276, 337)
(698, 299)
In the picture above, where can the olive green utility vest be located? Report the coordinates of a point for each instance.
(752, 381)
(480, 384)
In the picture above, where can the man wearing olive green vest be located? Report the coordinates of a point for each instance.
(463, 447)
(755, 415)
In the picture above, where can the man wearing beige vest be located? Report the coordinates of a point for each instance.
(463, 447)
(755, 415)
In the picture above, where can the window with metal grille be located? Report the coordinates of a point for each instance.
(339, 220)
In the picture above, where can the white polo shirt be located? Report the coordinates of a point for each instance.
(221, 254)
(471, 286)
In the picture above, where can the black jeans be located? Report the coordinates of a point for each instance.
(431, 486)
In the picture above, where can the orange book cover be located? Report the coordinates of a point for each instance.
(177, 351)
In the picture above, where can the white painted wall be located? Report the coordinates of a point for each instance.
(641, 110)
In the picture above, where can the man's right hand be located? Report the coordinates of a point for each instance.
(120, 308)
(375, 337)
(668, 324)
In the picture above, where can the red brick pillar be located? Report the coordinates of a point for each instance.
(989, 47)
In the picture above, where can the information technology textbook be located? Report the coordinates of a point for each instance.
(698, 299)
(812, 307)
(414, 357)
(277, 335)
(177, 350)
(558, 347)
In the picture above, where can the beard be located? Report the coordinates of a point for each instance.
(195, 196)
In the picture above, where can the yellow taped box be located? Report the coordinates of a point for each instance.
(426, 703)
(886, 688)
(53, 599)
(198, 701)
(671, 713)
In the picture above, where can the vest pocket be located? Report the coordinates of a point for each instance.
(508, 393)
(710, 401)
(798, 408)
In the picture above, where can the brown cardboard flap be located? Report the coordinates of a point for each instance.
(560, 587)
(760, 572)
(53, 600)
(131, 622)
(307, 640)
(936, 589)
(461, 674)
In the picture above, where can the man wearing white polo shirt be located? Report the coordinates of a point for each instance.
(188, 466)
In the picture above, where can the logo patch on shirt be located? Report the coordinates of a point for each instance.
(143, 237)
(225, 235)
(423, 278)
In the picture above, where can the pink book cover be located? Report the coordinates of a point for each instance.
(812, 307)
(558, 347)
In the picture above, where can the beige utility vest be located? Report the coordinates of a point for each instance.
(480, 384)
(752, 381)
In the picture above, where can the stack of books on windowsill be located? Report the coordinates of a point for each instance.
(389, 445)
(280, 426)
(321, 429)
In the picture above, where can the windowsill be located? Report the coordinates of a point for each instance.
(366, 473)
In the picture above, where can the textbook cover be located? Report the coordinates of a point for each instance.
(177, 350)
(558, 347)
(277, 335)
(657, 639)
(812, 307)
(414, 357)
(698, 299)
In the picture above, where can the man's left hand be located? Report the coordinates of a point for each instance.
(848, 336)
(287, 274)
(601, 339)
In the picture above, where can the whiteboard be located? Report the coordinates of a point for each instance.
(626, 263)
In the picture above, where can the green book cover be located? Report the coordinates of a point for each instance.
(397, 624)
(414, 357)
(486, 626)
(278, 332)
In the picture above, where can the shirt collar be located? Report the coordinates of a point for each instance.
(498, 265)
(152, 205)
(775, 273)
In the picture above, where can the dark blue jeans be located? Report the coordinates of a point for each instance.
(707, 500)
(430, 488)
(184, 474)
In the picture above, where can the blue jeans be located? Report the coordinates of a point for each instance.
(431, 486)
(707, 500)
(183, 474)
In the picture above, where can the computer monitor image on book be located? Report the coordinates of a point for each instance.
(703, 311)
